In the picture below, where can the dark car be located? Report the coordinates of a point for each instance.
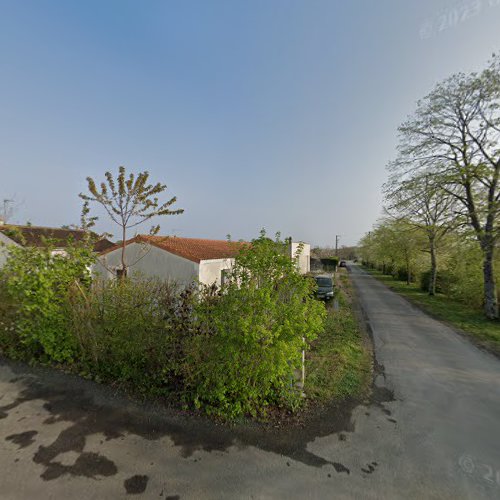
(324, 288)
(342, 263)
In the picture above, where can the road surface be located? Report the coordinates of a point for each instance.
(431, 430)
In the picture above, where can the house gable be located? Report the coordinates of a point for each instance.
(148, 261)
(193, 249)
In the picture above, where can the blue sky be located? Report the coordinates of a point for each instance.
(260, 113)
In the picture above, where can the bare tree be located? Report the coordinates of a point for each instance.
(129, 201)
(454, 136)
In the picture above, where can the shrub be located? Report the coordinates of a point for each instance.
(37, 282)
(251, 334)
(131, 331)
(330, 263)
(8, 336)
(444, 281)
(466, 276)
(401, 274)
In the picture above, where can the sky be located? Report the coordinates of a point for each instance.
(275, 114)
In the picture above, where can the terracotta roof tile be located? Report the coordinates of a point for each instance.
(37, 236)
(194, 249)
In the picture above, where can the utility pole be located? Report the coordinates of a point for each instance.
(337, 236)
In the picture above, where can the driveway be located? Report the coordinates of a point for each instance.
(431, 430)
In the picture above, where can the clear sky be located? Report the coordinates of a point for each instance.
(256, 113)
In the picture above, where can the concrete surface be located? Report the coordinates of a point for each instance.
(431, 430)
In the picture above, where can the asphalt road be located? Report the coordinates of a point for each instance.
(431, 430)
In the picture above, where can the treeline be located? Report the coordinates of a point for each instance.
(398, 248)
(443, 196)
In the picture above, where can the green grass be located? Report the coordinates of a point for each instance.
(457, 314)
(339, 364)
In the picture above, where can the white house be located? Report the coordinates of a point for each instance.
(182, 260)
(40, 236)
(304, 257)
(5, 242)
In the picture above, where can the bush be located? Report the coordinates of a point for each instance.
(8, 336)
(36, 281)
(466, 275)
(330, 263)
(401, 274)
(131, 331)
(251, 334)
(444, 281)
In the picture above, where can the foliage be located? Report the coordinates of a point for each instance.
(251, 334)
(330, 263)
(443, 281)
(129, 201)
(229, 351)
(8, 336)
(394, 244)
(465, 274)
(423, 203)
(131, 331)
(36, 281)
(460, 275)
(453, 137)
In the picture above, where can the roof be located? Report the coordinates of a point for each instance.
(194, 249)
(38, 236)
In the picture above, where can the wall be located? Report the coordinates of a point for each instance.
(5, 241)
(150, 262)
(304, 258)
(210, 270)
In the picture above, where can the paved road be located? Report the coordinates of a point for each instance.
(431, 430)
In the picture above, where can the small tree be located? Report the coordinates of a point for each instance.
(130, 201)
(424, 204)
(393, 243)
(37, 280)
(252, 333)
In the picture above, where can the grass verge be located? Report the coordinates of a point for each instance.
(338, 366)
(458, 315)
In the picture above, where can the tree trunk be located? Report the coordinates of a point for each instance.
(490, 290)
(433, 276)
(123, 274)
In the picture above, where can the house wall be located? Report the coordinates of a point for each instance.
(210, 270)
(304, 257)
(5, 241)
(153, 263)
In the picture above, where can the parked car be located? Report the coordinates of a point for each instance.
(342, 263)
(324, 288)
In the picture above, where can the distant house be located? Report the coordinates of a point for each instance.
(182, 260)
(304, 257)
(39, 236)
